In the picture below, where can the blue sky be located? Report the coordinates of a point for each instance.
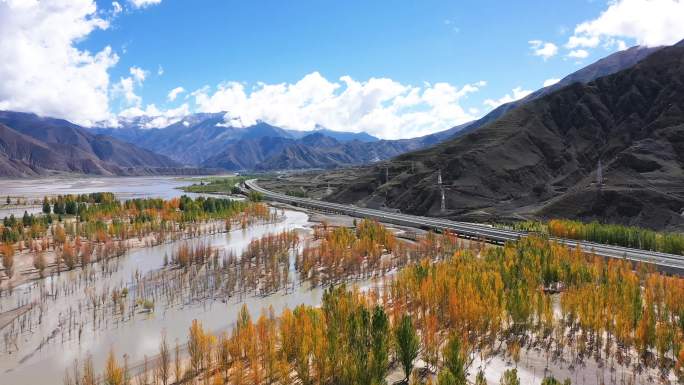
(409, 41)
(392, 68)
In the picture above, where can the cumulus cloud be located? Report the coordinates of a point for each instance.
(544, 49)
(550, 82)
(174, 93)
(578, 54)
(379, 106)
(648, 22)
(125, 87)
(42, 69)
(516, 94)
(138, 74)
(144, 3)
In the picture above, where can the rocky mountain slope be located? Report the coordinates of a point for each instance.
(31, 145)
(541, 159)
(610, 64)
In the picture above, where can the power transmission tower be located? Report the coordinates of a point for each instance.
(442, 205)
(599, 174)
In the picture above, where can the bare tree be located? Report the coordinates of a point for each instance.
(164, 360)
(88, 372)
(177, 368)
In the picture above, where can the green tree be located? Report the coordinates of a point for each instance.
(256, 196)
(407, 344)
(510, 377)
(550, 381)
(454, 361)
(480, 378)
(46, 206)
(380, 345)
(26, 220)
(71, 207)
(58, 207)
(446, 378)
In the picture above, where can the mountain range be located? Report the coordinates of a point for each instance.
(610, 149)
(204, 140)
(31, 146)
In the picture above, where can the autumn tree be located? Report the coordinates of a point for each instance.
(113, 374)
(8, 259)
(196, 345)
(39, 263)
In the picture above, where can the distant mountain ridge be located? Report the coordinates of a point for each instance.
(31, 145)
(206, 140)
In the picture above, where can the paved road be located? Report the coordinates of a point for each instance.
(670, 263)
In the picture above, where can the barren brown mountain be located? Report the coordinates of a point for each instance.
(542, 159)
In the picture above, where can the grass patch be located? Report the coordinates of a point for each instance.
(217, 184)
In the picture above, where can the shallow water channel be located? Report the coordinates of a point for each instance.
(41, 355)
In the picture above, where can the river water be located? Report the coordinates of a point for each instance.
(38, 359)
(124, 187)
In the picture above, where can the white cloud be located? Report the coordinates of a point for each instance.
(144, 3)
(379, 106)
(517, 93)
(138, 74)
(125, 88)
(578, 54)
(41, 68)
(582, 41)
(117, 8)
(174, 93)
(550, 82)
(544, 49)
(160, 70)
(154, 117)
(648, 22)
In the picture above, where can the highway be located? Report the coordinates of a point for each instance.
(668, 263)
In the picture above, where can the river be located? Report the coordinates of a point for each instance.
(42, 354)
